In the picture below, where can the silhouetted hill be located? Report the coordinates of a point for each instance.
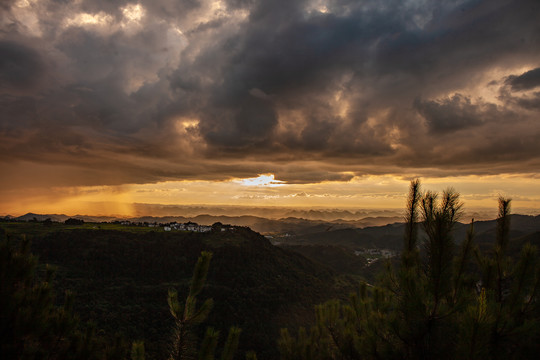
(533, 239)
(337, 258)
(62, 217)
(121, 281)
(292, 225)
(321, 246)
(390, 236)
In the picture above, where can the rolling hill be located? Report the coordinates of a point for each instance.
(121, 279)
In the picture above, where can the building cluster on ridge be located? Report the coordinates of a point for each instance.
(189, 226)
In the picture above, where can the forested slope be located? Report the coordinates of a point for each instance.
(121, 279)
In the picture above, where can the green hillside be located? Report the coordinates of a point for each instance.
(121, 279)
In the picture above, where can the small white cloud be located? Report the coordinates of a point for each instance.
(97, 21)
(262, 180)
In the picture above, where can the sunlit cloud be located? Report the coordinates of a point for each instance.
(26, 13)
(261, 180)
(185, 124)
(133, 12)
(133, 16)
(87, 20)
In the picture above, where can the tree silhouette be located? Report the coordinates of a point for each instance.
(437, 303)
(187, 316)
(31, 325)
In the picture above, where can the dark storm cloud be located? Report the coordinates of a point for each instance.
(306, 175)
(21, 67)
(452, 114)
(518, 90)
(248, 123)
(204, 89)
(526, 81)
(531, 103)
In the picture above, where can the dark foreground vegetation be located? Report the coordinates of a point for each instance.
(120, 282)
(187, 295)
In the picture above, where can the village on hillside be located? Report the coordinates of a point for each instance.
(189, 226)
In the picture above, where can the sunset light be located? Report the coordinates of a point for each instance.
(313, 104)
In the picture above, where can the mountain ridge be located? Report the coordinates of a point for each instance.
(292, 225)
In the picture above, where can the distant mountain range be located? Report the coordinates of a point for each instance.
(375, 231)
(326, 214)
(60, 217)
(292, 225)
(346, 250)
(251, 216)
(390, 236)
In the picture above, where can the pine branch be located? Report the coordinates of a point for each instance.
(208, 346)
(231, 344)
(411, 217)
(200, 273)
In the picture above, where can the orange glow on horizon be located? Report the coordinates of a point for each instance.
(372, 192)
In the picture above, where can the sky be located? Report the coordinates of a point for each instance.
(338, 104)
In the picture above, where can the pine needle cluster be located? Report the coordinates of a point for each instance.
(188, 316)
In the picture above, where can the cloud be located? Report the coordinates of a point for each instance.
(525, 81)
(310, 91)
(452, 114)
(21, 67)
(520, 90)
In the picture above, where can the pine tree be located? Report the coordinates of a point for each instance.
(512, 289)
(435, 304)
(31, 325)
(187, 316)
